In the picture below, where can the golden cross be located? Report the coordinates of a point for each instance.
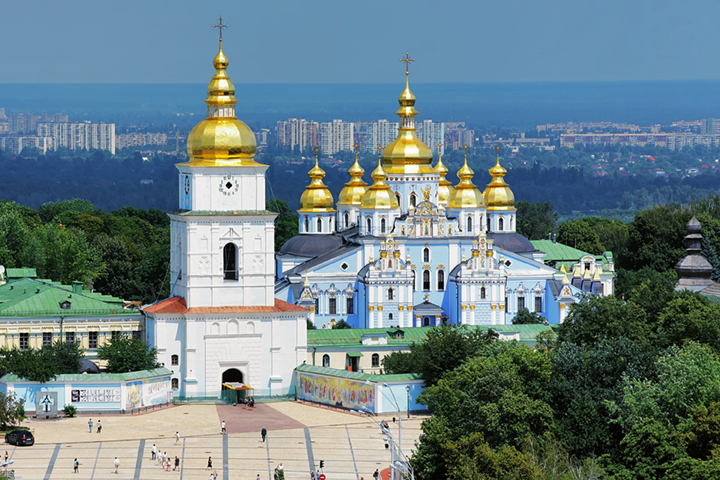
(439, 144)
(497, 149)
(356, 146)
(407, 61)
(427, 297)
(220, 26)
(465, 147)
(379, 149)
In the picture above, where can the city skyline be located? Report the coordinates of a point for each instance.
(464, 41)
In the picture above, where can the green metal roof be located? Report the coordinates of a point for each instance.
(99, 377)
(30, 297)
(336, 372)
(555, 252)
(352, 337)
(13, 273)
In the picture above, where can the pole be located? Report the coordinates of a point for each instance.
(407, 389)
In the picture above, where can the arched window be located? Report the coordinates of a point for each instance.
(390, 317)
(500, 224)
(382, 225)
(326, 360)
(347, 220)
(175, 384)
(307, 224)
(426, 254)
(482, 293)
(469, 224)
(414, 274)
(375, 360)
(369, 225)
(397, 195)
(488, 222)
(441, 280)
(413, 200)
(426, 321)
(230, 262)
(391, 294)
(319, 224)
(330, 224)
(174, 360)
(426, 279)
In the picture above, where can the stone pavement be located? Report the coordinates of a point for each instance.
(299, 436)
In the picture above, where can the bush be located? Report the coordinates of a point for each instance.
(70, 411)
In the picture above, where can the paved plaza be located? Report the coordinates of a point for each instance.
(299, 436)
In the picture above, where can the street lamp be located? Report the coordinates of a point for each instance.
(407, 390)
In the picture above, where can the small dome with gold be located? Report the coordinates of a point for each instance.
(354, 190)
(466, 194)
(221, 139)
(379, 195)
(317, 196)
(498, 195)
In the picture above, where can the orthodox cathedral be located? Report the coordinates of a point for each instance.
(408, 250)
(413, 250)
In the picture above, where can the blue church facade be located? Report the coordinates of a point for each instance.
(412, 250)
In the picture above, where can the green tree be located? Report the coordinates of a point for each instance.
(501, 394)
(655, 238)
(341, 325)
(691, 316)
(12, 410)
(310, 325)
(578, 234)
(126, 354)
(286, 223)
(526, 317)
(67, 255)
(471, 458)
(535, 220)
(51, 210)
(445, 348)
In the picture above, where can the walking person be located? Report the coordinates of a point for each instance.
(263, 433)
(154, 452)
(177, 463)
(376, 475)
(167, 462)
(6, 456)
(76, 466)
(209, 466)
(117, 464)
(223, 427)
(177, 438)
(99, 427)
(90, 424)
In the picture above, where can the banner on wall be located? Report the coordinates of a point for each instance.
(145, 393)
(95, 395)
(338, 392)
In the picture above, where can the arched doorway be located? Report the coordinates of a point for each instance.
(231, 377)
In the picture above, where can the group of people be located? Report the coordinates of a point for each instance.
(162, 458)
(90, 426)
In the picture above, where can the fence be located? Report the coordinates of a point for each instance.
(238, 396)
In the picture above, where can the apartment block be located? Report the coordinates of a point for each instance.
(126, 140)
(16, 143)
(673, 141)
(297, 133)
(80, 136)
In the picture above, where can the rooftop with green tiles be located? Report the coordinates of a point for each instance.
(98, 377)
(558, 253)
(352, 337)
(31, 297)
(377, 378)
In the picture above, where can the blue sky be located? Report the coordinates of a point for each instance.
(336, 41)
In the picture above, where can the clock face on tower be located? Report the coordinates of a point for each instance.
(229, 185)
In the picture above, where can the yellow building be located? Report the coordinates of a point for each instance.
(35, 313)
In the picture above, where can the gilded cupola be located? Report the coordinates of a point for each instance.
(379, 195)
(498, 195)
(445, 188)
(354, 190)
(407, 154)
(221, 139)
(466, 194)
(317, 196)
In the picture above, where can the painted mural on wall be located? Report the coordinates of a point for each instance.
(338, 392)
(145, 393)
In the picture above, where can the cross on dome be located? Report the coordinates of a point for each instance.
(407, 61)
(220, 26)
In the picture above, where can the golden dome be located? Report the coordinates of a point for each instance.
(466, 194)
(445, 188)
(379, 195)
(354, 190)
(221, 139)
(316, 197)
(407, 154)
(498, 195)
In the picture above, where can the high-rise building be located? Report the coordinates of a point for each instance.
(336, 136)
(431, 134)
(80, 136)
(297, 133)
(16, 143)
